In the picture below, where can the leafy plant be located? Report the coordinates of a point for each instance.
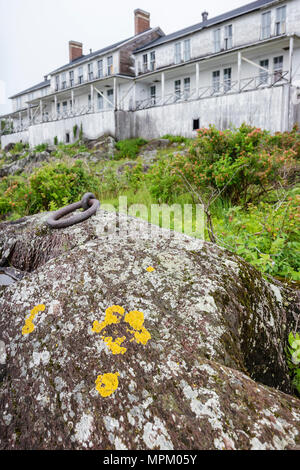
(293, 355)
(41, 148)
(81, 132)
(129, 148)
(176, 139)
(164, 185)
(75, 130)
(53, 185)
(18, 147)
(6, 127)
(243, 164)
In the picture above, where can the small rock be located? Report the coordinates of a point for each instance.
(149, 156)
(82, 155)
(9, 147)
(156, 144)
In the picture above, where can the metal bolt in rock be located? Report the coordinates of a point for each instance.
(88, 203)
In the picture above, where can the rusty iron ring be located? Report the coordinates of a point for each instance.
(88, 203)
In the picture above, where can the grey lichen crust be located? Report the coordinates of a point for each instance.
(212, 376)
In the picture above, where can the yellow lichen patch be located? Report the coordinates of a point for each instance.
(29, 326)
(150, 269)
(97, 328)
(107, 384)
(142, 337)
(110, 318)
(115, 346)
(136, 321)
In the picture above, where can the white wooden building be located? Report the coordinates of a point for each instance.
(242, 66)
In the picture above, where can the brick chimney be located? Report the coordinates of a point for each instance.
(141, 21)
(75, 50)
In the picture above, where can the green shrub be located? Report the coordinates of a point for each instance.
(265, 235)
(75, 130)
(109, 184)
(41, 148)
(49, 188)
(176, 139)
(81, 132)
(59, 183)
(134, 177)
(6, 127)
(55, 140)
(129, 148)
(164, 184)
(242, 164)
(18, 147)
(293, 357)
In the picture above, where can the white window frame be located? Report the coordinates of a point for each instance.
(100, 68)
(152, 61)
(228, 38)
(280, 23)
(266, 26)
(63, 81)
(187, 50)
(187, 87)
(177, 89)
(109, 94)
(216, 80)
(100, 100)
(178, 52)
(145, 63)
(65, 107)
(153, 94)
(217, 40)
(71, 78)
(110, 65)
(91, 71)
(227, 81)
(277, 70)
(264, 74)
(80, 75)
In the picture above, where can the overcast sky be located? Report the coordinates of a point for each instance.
(34, 34)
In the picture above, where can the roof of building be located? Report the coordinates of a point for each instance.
(39, 86)
(105, 50)
(209, 22)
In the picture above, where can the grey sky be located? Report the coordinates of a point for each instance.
(34, 34)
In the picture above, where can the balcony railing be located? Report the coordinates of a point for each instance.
(70, 113)
(13, 128)
(81, 81)
(217, 89)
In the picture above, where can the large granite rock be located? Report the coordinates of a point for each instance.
(99, 352)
